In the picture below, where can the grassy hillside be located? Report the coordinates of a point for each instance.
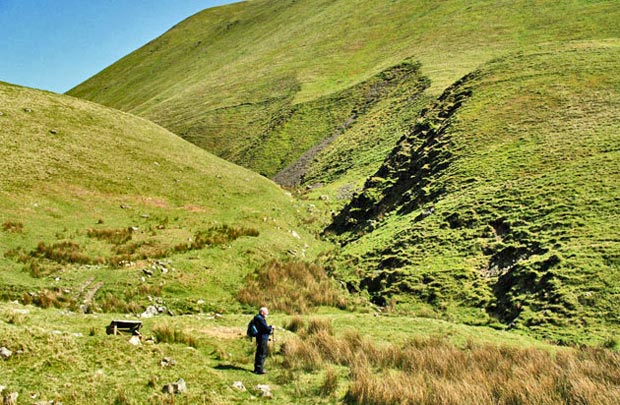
(106, 210)
(260, 82)
(502, 202)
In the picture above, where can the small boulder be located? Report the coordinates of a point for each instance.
(5, 353)
(178, 387)
(135, 340)
(238, 385)
(150, 312)
(264, 391)
(167, 362)
(11, 399)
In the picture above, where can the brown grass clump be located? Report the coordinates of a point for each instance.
(291, 287)
(48, 299)
(62, 252)
(330, 383)
(435, 371)
(12, 226)
(113, 236)
(215, 236)
(113, 303)
(166, 333)
(296, 324)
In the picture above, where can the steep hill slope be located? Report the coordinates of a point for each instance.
(253, 81)
(100, 206)
(503, 200)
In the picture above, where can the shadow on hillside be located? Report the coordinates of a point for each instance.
(230, 367)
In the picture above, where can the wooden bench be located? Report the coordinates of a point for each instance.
(116, 327)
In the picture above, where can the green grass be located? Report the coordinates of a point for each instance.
(92, 196)
(485, 231)
(509, 204)
(67, 357)
(261, 82)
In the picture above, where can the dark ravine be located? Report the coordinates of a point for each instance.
(406, 179)
(362, 98)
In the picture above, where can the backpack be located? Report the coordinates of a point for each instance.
(252, 330)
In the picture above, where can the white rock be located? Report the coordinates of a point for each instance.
(239, 386)
(11, 399)
(150, 312)
(135, 340)
(178, 387)
(264, 391)
(5, 353)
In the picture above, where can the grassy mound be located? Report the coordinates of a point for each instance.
(502, 201)
(107, 211)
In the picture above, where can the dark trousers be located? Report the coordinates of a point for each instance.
(261, 353)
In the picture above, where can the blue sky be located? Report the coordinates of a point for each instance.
(57, 44)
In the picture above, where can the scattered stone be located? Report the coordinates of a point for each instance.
(149, 340)
(295, 235)
(147, 272)
(134, 229)
(324, 197)
(238, 385)
(168, 362)
(264, 391)
(150, 312)
(218, 316)
(145, 216)
(28, 110)
(11, 399)
(156, 163)
(1, 113)
(178, 387)
(200, 302)
(53, 131)
(5, 353)
(135, 340)
(125, 207)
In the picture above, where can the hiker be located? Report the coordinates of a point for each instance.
(264, 330)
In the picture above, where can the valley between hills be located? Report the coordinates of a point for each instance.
(426, 195)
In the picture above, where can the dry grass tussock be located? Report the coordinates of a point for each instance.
(435, 371)
(292, 287)
(167, 333)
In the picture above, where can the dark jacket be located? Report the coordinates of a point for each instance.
(264, 330)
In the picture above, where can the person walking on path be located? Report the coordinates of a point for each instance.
(264, 330)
